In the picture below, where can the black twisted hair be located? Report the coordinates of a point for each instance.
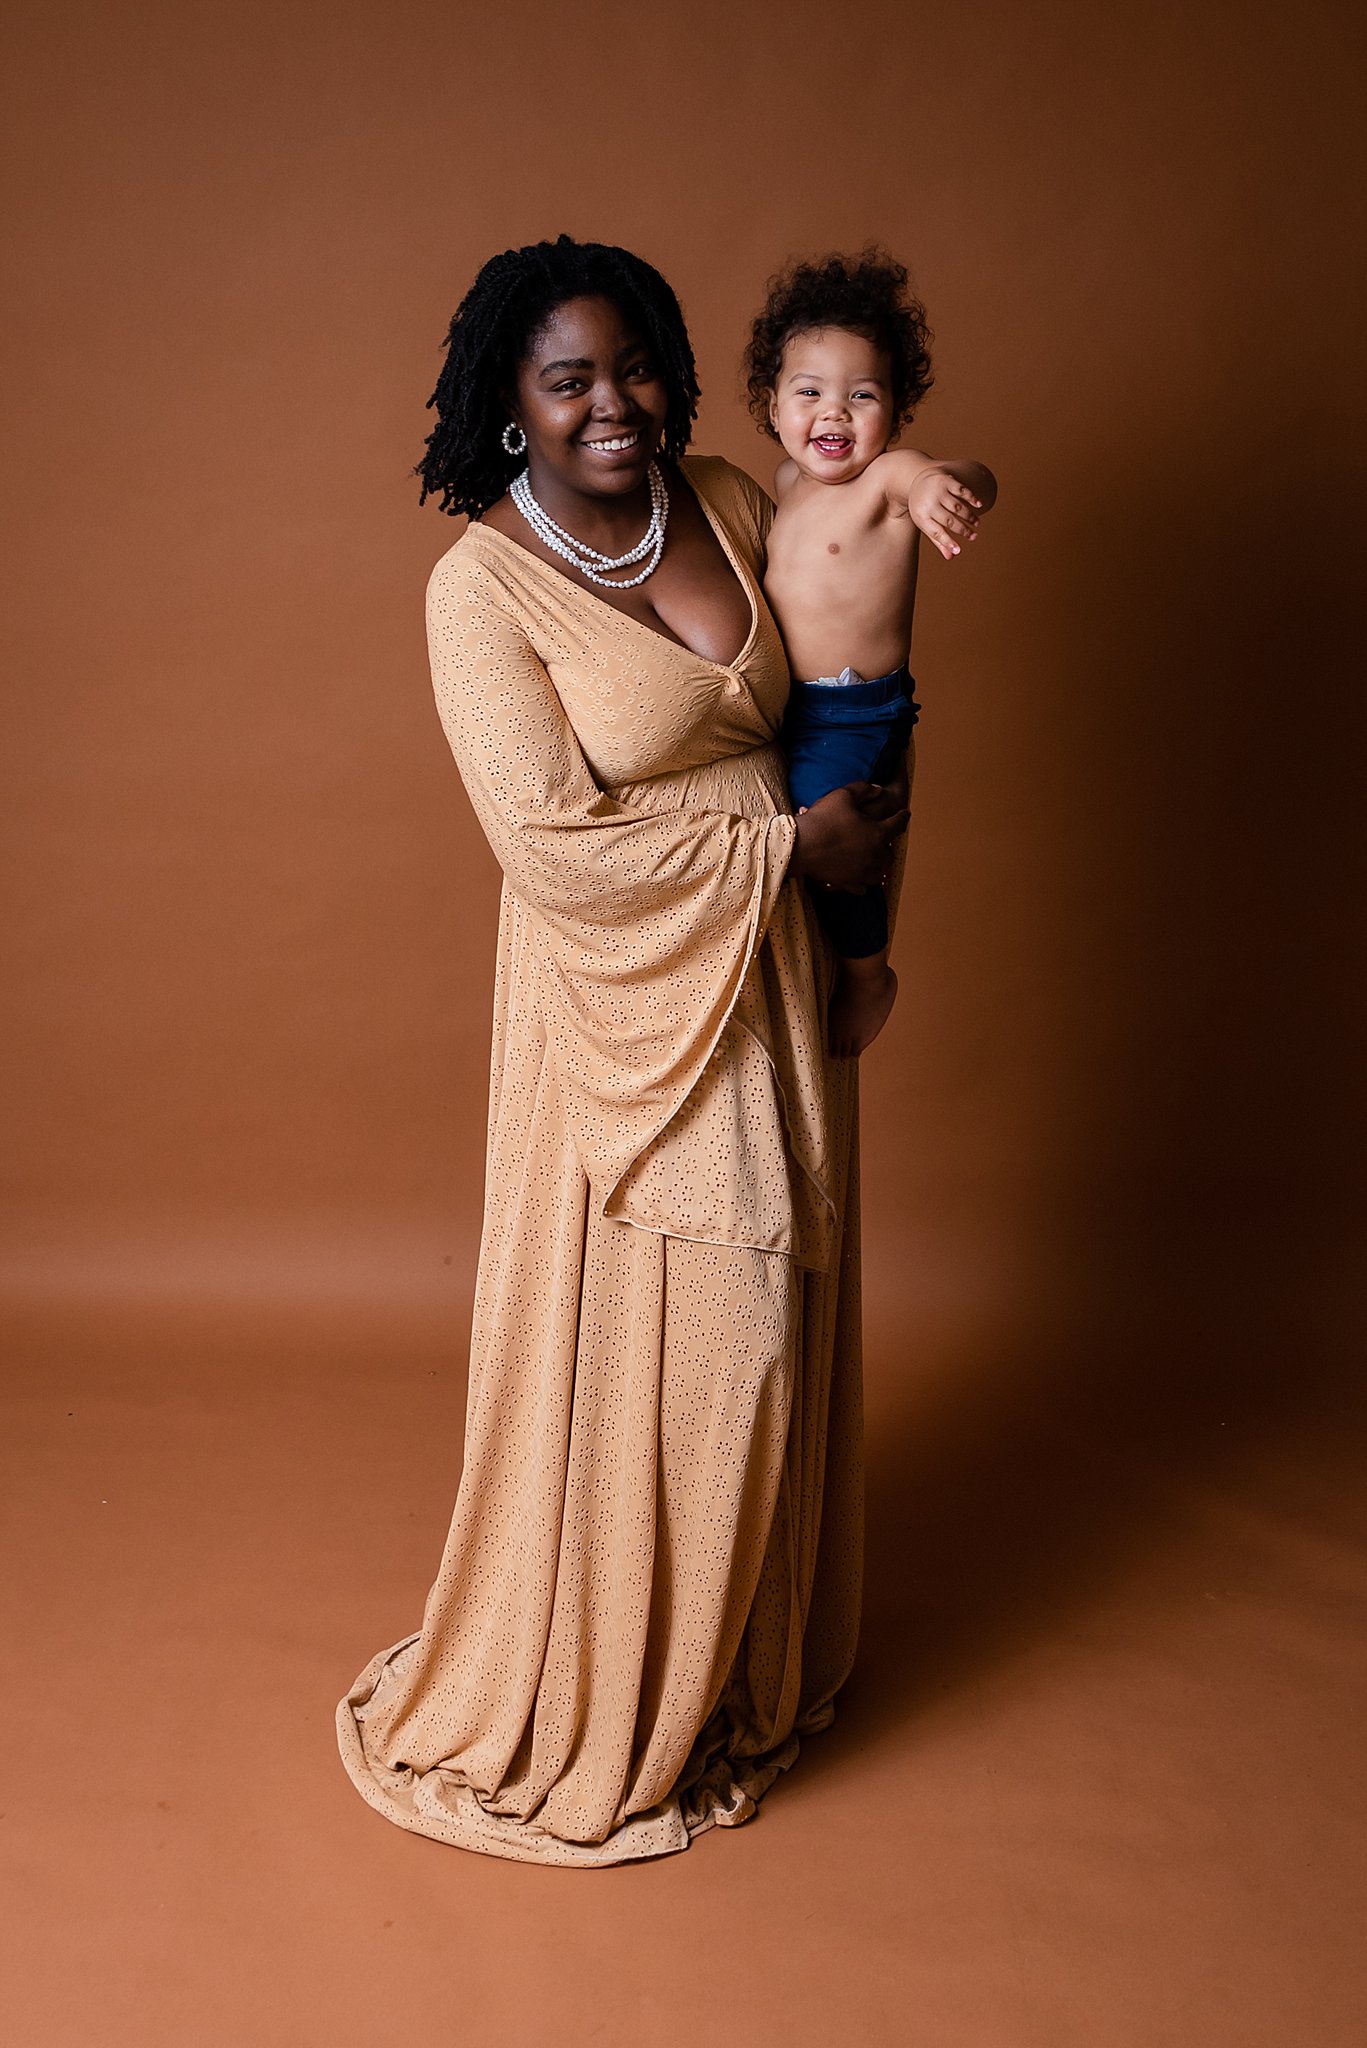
(866, 294)
(510, 300)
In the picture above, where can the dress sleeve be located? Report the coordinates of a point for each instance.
(644, 923)
(746, 508)
(759, 505)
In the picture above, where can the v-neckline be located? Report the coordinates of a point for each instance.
(741, 572)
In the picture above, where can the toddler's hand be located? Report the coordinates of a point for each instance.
(945, 510)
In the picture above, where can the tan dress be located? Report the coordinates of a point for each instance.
(651, 1584)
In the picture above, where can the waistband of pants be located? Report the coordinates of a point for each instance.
(863, 690)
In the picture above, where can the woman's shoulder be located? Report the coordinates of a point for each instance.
(480, 597)
(732, 494)
(475, 565)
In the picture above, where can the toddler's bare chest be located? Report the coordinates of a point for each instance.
(817, 557)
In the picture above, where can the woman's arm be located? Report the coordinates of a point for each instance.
(846, 838)
(639, 926)
(574, 853)
(582, 861)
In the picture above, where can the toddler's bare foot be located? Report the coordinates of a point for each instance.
(865, 991)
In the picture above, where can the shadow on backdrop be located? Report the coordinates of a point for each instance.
(1210, 1143)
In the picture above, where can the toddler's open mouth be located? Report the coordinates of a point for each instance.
(832, 444)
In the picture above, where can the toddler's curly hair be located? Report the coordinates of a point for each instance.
(865, 294)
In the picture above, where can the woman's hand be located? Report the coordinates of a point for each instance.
(845, 839)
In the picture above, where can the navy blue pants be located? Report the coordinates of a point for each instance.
(842, 732)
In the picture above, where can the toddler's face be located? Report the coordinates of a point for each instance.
(832, 405)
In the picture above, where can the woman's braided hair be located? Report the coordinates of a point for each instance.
(865, 294)
(494, 325)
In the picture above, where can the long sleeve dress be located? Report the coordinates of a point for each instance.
(651, 1585)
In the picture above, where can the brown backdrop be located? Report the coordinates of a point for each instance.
(1112, 1150)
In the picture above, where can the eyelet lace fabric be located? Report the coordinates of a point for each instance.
(650, 1588)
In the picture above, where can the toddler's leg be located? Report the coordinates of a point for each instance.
(825, 748)
(865, 985)
(861, 1003)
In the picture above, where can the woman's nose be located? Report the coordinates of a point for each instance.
(610, 402)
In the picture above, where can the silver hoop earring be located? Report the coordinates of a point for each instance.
(514, 440)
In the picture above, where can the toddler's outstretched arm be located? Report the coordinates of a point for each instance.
(945, 500)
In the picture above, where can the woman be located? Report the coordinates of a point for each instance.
(651, 1584)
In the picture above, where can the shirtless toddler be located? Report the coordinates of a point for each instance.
(837, 362)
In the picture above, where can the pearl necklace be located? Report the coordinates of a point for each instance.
(587, 560)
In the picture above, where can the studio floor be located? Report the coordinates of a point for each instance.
(1098, 1780)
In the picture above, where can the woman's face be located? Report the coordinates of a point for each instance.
(591, 399)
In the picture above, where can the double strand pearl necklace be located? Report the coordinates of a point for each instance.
(587, 560)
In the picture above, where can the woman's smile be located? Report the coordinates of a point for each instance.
(616, 444)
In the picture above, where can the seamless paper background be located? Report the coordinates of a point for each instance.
(1096, 1781)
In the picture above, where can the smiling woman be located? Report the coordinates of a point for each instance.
(650, 1588)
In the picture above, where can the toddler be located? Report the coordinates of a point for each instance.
(837, 363)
